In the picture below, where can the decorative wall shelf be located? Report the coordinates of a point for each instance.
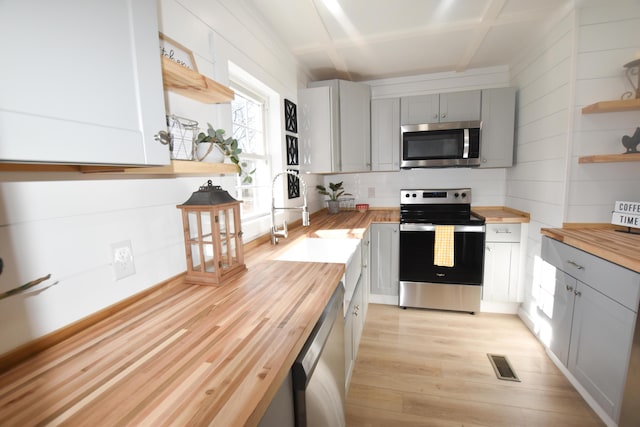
(610, 158)
(612, 106)
(191, 84)
(176, 168)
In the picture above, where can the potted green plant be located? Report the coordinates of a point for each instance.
(227, 146)
(333, 204)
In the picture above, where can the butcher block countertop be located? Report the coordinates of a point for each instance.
(500, 214)
(186, 354)
(605, 242)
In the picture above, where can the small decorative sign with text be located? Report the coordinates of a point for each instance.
(626, 214)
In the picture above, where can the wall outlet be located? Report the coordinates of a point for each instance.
(122, 260)
(371, 192)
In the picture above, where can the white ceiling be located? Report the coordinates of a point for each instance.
(371, 39)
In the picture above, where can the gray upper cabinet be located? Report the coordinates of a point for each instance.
(498, 127)
(445, 107)
(385, 134)
(81, 83)
(335, 131)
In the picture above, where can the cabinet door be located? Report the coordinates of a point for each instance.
(600, 346)
(385, 134)
(355, 127)
(460, 106)
(385, 241)
(497, 272)
(366, 273)
(358, 321)
(420, 109)
(316, 127)
(349, 356)
(498, 127)
(82, 82)
(562, 315)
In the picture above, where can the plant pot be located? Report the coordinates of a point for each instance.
(209, 152)
(333, 206)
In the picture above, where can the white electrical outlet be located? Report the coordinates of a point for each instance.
(371, 192)
(122, 259)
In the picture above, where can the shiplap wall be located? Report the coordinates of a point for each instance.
(64, 224)
(580, 61)
(608, 37)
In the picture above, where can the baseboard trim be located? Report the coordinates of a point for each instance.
(14, 357)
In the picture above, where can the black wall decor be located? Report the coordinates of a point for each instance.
(292, 150)
(290, 116)
(293, 185)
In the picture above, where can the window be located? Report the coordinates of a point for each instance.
(248, 111)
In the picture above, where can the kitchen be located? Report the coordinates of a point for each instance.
(59, 223)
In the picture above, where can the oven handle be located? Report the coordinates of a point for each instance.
(432, 227)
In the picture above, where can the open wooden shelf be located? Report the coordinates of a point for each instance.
(176, 168)
(612, 106)
(610, 158)
(191, 84)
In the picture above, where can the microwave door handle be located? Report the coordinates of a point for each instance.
(465, 149)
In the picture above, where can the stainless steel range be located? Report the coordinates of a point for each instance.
(441, 250)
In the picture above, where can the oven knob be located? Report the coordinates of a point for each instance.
(414, 194)
(456, 195)
(464, 195)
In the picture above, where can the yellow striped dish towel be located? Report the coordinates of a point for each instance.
(443, 246)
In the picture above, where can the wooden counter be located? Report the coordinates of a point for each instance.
(184, 354)
(500, 215)
(620, 248)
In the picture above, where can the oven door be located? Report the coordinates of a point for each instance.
(417, 250)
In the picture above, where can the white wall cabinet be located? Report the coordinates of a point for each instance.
(385, 250)
(444, 107)
(385, 134)
(498, 127)
(502, 263)
(82, 83)
(594, 312)
(335, 127)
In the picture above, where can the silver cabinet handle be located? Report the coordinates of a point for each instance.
(576, 265)
(577, 293)
(506, 231)
(569, 288)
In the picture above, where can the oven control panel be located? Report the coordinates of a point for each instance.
(438, 196)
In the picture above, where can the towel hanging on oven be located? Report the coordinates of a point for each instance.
(443, 250)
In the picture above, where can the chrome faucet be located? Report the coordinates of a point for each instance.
(282, 232)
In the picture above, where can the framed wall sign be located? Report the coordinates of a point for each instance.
(292, 150)
(177, 52)
(290, 116)
(293, 185)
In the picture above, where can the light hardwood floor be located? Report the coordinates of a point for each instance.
(430, 368)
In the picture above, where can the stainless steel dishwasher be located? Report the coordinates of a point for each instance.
(318, 372)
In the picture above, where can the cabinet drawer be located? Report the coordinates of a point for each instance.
(503, 233)
(616, 282)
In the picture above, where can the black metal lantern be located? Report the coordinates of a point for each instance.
(212, 236)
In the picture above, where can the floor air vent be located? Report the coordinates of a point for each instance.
(502, 368)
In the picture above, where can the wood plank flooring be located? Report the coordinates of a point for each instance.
(430, 368)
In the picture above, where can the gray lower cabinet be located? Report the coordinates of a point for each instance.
(353, 325)
(385, 249)
(502, 263)
(591, 328)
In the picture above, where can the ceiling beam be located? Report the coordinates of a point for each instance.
(489, 18)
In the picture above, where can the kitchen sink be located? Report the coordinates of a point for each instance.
(339, 251)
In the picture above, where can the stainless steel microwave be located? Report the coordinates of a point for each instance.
(440, 144)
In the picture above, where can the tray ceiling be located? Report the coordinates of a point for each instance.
(372, 39)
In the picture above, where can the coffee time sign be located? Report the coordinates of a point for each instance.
(626, 214)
